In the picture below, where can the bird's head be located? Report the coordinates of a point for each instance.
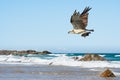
(71, 32)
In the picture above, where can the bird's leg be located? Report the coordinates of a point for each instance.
(85, 34)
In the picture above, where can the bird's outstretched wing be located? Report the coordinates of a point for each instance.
(79, 21)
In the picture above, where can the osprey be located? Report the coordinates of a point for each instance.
(79, 22)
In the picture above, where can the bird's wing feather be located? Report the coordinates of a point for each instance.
(84, 20)
(79, 21)
(84, 16)
(76, 22)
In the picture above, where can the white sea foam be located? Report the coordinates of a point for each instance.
(61, 59)
(117, 55)
(117, 73)
(57, 55)
(89, 64)
(102, 55)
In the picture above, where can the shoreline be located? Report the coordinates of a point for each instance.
(46, 72)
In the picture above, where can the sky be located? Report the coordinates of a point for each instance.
(44, 25)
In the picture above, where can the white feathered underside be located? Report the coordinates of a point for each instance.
(79, 31)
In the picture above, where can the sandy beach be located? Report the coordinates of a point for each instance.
(50, 72)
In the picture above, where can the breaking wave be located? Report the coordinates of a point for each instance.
(59, 59)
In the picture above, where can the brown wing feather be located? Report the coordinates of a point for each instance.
(79, 21)
(84, 16)
(84, 19)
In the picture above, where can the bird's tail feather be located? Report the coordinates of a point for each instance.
(92, 30)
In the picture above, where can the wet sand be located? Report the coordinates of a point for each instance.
(50, 72)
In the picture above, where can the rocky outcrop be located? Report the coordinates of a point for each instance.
(90, 57)
(7, 52)
(76, 58)
(45, 52)
(15, 52)
(107, 73)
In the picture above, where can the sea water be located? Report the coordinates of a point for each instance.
(64, 59)
(57, 66)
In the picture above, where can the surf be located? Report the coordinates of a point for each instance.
(61, 59)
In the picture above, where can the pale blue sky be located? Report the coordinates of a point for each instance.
(43, 25)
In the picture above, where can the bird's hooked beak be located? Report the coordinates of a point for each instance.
(71, 32)
(68, 32)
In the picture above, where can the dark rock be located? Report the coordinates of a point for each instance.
(14, 52)
(107, 73)
(45, 52)
(92, 57)
(7, 52)
(75, 58)
(31, 51)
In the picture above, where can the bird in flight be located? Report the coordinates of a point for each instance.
(79, 22)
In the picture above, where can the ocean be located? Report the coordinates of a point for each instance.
(57, 66)
(64, 59)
